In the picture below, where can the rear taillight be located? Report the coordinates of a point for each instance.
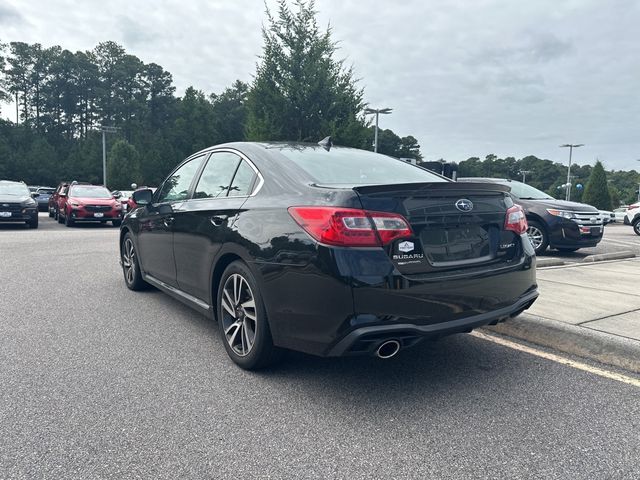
(516, 221)
(634, 206)
(351, 227)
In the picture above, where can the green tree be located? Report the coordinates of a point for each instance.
(123, 166)
(300, 92)
(596, 192)
(230, 112)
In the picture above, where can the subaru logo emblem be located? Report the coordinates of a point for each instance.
(464, 205)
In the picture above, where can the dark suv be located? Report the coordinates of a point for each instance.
(17, 203)
(565, 226)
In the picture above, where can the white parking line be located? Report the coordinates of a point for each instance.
(558, 359)
(629, 243)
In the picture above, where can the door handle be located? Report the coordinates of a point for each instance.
(168, 221)
(219, 220)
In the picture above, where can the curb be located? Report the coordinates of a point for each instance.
(549, 262)
(609, 256)
(602, 347)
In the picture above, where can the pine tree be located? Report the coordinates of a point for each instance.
(123, 166)
(300, 92)
(596, 192)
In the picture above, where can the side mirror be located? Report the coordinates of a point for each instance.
(142, 197)
(62, 194)
(35, 195)
(116, 195)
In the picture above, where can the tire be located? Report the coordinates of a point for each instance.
(241, 313)
(116, 223)
(130, 265)
(33, 223)
(636, 226)
(58, 217)
(68, 221)
(538, 236)
(50, 214)
(626, 221)
(567, 249)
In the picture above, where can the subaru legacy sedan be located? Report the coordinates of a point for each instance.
(329, 251)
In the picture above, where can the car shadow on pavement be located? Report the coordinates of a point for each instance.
(459, 368)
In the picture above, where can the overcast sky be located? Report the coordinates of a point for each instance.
(466, 78)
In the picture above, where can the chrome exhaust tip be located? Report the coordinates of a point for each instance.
(388, 349)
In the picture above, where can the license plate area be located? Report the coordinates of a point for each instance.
(98, 215)
(5, 214)
(460, 245)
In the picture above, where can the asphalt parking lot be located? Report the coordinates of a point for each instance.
(101, 382)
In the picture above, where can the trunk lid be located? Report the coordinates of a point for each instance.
(456, 225)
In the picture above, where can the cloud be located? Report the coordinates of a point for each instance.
(515, 78)
(9, 15)
(134, 33)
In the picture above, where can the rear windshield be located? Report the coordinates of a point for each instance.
(89, 192)
(46, 191)
(349, 166)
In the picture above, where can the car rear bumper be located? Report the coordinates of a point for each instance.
(331, 306)
(365, 340)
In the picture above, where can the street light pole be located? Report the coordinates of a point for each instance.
(524, 175)
(105, 129)
(571, 147)
(376, 111)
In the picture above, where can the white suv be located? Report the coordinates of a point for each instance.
(632, 217)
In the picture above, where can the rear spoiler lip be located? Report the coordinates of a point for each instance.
(436, 187)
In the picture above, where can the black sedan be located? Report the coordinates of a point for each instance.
(329, 251)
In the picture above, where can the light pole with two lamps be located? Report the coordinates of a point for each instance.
(571, 147)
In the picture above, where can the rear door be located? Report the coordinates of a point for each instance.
(456, 226)
(204, 223)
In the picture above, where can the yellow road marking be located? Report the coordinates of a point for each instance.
(558, 359)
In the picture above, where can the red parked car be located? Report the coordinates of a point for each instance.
(88, 203)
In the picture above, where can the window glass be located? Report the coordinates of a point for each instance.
(243, 181)
(176, 187)
(350, 166)
(89, 191)
(216, 176)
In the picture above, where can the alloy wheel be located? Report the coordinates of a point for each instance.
(129, 261)
(536, 236)
(239, 316)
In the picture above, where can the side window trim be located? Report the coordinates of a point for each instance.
(256, 184)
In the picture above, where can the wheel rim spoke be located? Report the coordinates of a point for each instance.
(128, 261)
(238, 314)
(227, 305)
